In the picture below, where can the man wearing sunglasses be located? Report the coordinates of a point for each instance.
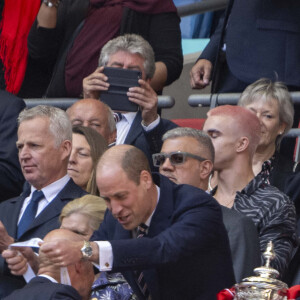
(187, 157)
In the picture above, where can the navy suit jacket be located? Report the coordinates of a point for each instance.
(149, 142)
(262, 40)
(42, 288)
(46, 221)
(186, 253)
(11, 177)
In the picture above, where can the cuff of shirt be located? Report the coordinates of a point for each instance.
(29, 274)
(105, 256)
(151, 125)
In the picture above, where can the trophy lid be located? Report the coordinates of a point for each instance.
(264, 280)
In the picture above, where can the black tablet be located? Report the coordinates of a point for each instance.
(120, 81)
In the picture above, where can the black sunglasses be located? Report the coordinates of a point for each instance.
(176, 158)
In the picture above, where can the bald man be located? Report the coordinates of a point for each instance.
(235, 133)
(47, 285)
(95, 114)
(185, 253)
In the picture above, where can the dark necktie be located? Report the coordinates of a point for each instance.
(118, 117)
(30, 212)
(141, 231)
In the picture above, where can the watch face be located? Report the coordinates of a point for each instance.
(87, 250)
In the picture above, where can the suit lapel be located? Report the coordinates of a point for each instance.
(135, 129)
(68, 193)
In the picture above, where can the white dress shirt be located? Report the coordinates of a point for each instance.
(106, 257)
(123, 126)
(50, 192)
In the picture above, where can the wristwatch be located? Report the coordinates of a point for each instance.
(49, 3)
(86, 250)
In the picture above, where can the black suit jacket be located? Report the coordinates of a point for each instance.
(42, 288)
(11, 177)
(244, 243)
(46, 221)
(149, 142)
(262, 40)
(186, 253)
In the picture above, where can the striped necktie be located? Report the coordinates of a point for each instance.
(142, 231)
(30, 212)
(118, 117)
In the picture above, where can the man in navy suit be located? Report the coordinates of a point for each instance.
(254, 39)
(49, 284)
(187, 157)
(44, 145)
(142, 129)
(185, 253)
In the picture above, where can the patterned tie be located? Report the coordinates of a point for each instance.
(30, 212)
(141, 231)
(118, 117)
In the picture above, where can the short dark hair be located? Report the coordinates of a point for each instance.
(134, 162)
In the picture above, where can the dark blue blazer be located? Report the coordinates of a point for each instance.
(149, 142)
(42, 288)
(186, 253)
(262, 40)
(46, 221)
(11, 177)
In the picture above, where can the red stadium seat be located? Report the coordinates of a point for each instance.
(192, 123)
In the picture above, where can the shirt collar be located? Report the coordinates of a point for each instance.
(50, 191)
(129, 117)
(148, 222)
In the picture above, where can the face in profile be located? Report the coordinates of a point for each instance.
(40, 158)
(221, 130)
(268, 115)
(80, 163)
(78, 223)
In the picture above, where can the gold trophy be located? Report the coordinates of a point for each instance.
(263, 286)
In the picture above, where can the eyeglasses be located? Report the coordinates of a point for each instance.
(176, 158)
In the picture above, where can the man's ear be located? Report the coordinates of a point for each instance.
(146, 179)
(242, 144)
(112, 137)
(66, 148)
(206, 168)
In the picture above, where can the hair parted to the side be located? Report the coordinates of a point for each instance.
(245, 121)
(200, 136)
(92, 206)
(133, 44)
(266, 90)
(59, 124)
(98, 146)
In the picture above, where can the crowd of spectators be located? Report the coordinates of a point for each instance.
(102, 203)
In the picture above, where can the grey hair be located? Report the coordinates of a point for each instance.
(203, 138)
(133, 44)
(265, 90)
(60, 125)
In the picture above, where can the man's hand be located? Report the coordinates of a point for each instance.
(62, 252)
(146, 98)
(5, 239)
(16, 262)
(200, 74)
(94, 84)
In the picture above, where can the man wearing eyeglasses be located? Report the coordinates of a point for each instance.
(187, 157)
